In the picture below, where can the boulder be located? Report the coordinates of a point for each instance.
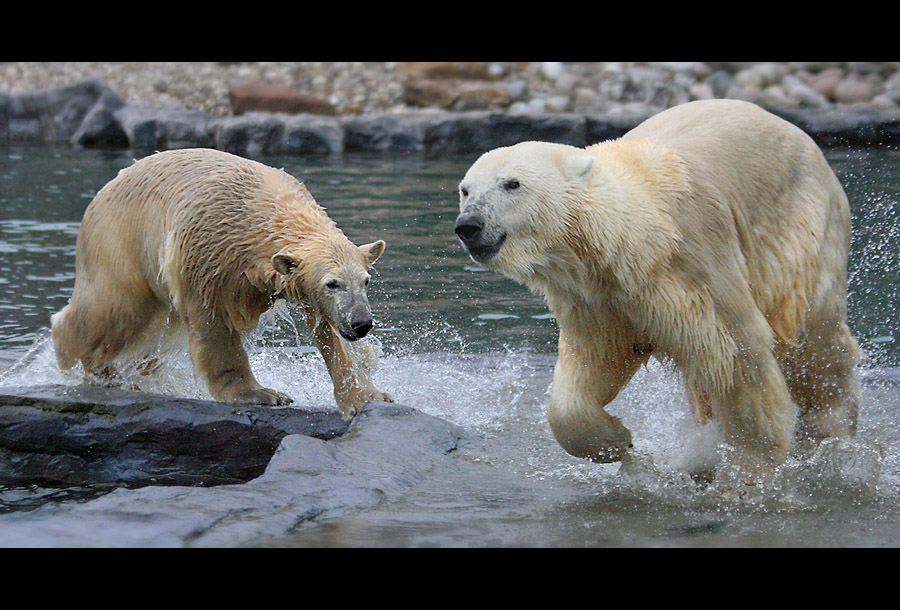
(482, 130)
(387, 132)
(855, 88)
(831, 127)
(310, 134)
(456, 95)
(416, 70)
(260, 97)
(158, 129)
(424, 93)
(825, 82)
(80, 113)
(386, 449)
(251, 134)
(98, 436)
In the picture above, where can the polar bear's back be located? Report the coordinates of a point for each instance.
(200, 211)
(775, 188)
(163, 186)
(752, 158)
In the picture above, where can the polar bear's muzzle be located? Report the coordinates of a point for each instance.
(357, 329)
(357, 324)
(480, 245)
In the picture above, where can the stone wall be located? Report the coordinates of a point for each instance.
(89, 114)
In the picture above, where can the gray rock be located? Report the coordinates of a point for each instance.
(720, 82)
(387, 449)
(566, 83)
(601, 127)
(89, 436)
(587, 101)
(308, 134)
(893, 81)
(484, 130)
(518, 89)
(154, 129)
(730, 66)
(99, 127)
(890, 97)
(810, 66)
(760, 76)
(387, 132)
(806, 96)
(252, 134)
(80, 113)
(558, 103)
(775, 95)
(833, 127)
(533, 106)
(701, 91)
(552, 70)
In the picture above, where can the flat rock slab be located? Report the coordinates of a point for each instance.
(388, 448)
(61, 436)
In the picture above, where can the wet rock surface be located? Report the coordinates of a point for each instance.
(386, 448)
(98, 436)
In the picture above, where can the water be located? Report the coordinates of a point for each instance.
(469, 346)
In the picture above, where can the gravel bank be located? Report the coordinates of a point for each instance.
(354, 87)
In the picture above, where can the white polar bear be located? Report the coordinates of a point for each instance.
(195, 245)
(714, 235)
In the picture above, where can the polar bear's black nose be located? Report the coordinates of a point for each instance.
(362, 327)
(468, 226)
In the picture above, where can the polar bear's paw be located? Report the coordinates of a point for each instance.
(262, 396)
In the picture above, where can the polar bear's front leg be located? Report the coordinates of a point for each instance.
(585, 380)
(219, 357)
(723, 346)
(756, 414)
(353, 385)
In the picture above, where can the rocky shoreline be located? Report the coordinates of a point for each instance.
(431, 120)
(128, 469)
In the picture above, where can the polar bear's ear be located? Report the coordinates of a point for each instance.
(284, 263)
(579, 166)
(373, 251)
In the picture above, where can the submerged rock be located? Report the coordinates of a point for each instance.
(61, 436)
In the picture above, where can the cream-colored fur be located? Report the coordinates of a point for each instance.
(714, 235)
(201, 242)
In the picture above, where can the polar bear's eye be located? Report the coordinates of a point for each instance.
(333, 285)
(464, 192)
(511, 184)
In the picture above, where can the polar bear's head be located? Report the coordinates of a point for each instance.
(515, 203)
(331, 276)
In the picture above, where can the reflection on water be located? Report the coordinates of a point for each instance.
(474, 348)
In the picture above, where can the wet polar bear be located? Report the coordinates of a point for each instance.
(204, 241)
(713, 235)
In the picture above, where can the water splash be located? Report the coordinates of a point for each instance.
(503, 396)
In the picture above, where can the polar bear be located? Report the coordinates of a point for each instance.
(713, 235)
(202, 242)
